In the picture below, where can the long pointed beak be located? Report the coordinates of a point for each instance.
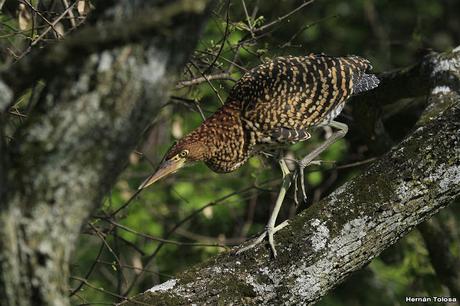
(165, 168)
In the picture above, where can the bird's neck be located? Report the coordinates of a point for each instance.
(224, 138)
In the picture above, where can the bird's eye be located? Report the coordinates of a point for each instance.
(183, 153)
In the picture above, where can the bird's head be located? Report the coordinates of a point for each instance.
(182, 153)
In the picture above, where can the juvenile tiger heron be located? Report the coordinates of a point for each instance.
(276, 103)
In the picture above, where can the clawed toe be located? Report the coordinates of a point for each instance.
(253, 244)
(300, 176)
(268, 232)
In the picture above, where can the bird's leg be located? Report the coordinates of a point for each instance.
(287, 178)
(301, 178)
(308, 160)
(270, 228)
(296, 187)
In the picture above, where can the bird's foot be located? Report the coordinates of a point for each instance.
(299, 177)
(267, 154)
(269, 231)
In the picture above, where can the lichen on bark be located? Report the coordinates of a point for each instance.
(66, 155)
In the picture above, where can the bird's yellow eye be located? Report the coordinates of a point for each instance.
(183, 153)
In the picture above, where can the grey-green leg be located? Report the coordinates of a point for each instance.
(271, 229)
(301, 178)
(287, 179)
(308, 160)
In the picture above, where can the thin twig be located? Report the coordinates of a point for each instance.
(126, 203)
(108, 263)
(71, 14)
(91, 269)
(87, 283)
(358, 163)
(224, 39)
(301, 30)
(247, 18)
(279, 19)
(52, 25)
(163, 240)
(232, 63)
(129, 243)
(16, 113)
(209, 82)
(101, 236)
(97, 288)
(195, 103)
(205, 78)
(39, 38)
(207, 239)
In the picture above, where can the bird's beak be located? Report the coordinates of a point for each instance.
(165, 168)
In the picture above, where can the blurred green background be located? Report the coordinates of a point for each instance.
(201, 213)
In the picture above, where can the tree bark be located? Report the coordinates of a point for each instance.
(99, 97)
(346, 230)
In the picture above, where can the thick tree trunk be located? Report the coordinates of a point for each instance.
(104, 85)
(346, 230)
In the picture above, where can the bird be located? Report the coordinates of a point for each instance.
(277, 103)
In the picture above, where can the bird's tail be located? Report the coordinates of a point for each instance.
(362, 81)
(365, 82)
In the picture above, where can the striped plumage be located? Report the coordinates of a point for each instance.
(278, 102)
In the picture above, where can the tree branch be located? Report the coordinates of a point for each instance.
(346, 230)
(414, 81)
(205, 78)
(119, 30)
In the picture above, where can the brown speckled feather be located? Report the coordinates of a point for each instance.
(277, 102)
(297, 93)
